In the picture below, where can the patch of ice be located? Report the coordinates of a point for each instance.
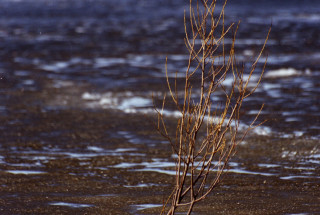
(157, 165)
(95, 148)
(79, 60)
(298, 176)
(228, 81)
(235, 168)
(162, 171)
(242, 171)
(39, 158)
(109, 102)
(28, 82)
(129, 103)
(72, 205)
(300, 17)
(43, 37)
(80, 156)
(153, 164)
(62, 83)
(83, 156)
(273, 90)
(307, 85)
(299, 214)
(242, 41)
(262, 130)
(314, 161)
(315, 156)
(125, 149)
(266, 165)
(26, 172)
(178, 57)
(141, 185)
(37, 164)
(55, 67)
(255, 112)
(301, 168)
(292, 119)
(131, 137)
(288, 154)
(248, 52)
(286, 136)
(280, 73)
(134, 102)
(107, 62)
(270, 86)
(170, 113)
(279, 59)
(292, 113)
(17, 0)
(243, 143)
(141, 60)
(91, 151)
(274, 93)
(124, 101)
(126, 165)
(298, 133)
(252, 82)
(146, 206)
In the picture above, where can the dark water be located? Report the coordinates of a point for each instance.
(117, 46)
(108, 56)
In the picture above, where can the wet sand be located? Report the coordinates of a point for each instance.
(80, 161)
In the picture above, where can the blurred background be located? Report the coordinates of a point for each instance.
(104, 50)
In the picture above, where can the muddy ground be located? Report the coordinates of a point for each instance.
(77, 155)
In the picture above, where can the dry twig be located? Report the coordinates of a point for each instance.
(201, 161)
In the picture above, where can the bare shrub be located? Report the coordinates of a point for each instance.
(206, 136)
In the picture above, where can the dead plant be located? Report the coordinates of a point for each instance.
(206, 137)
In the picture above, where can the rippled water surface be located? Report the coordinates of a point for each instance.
(76, 86)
